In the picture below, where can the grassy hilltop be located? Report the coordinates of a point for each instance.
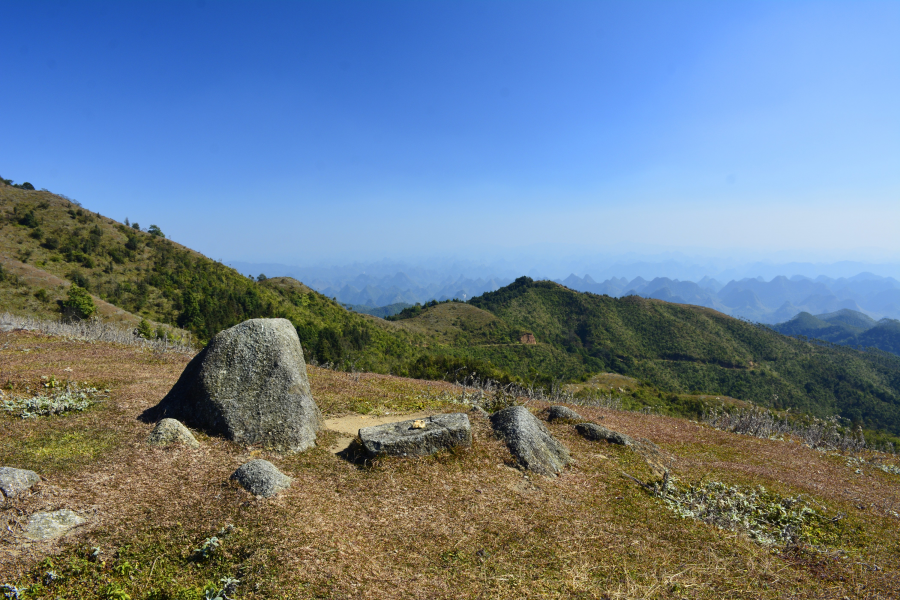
(453, 525)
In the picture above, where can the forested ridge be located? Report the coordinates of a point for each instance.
(683, 348)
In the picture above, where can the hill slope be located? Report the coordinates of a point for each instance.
(688, 348)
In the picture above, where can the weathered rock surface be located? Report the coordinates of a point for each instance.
(563, 413)
(419, 437)
(49, 525)
(170, 431)
(530, 441)
(261, 478)
(595, 432)
(14, 482)
(250, 385)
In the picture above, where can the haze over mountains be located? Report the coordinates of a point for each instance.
(765, 300)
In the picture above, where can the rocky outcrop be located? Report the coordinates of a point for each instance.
(529, 441)
(596, 433)
(49, 525)
(170, 431)
(250, 385)
(419, 437)
(14, 482)
(563, 413)
(261, 478)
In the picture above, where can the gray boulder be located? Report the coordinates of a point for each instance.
(14, 482)
(261, 478)
(170, 431)
(250, 385)
(419, 437)
(563, 413)
(49, 525)
(529, 441)
(596, 433)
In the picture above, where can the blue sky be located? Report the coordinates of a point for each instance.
(305, 132)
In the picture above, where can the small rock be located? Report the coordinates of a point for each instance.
(170, 431)
(420, 437)
(15, 481)
(261, 478)
(595, 432)
(529, 441)
(49, 525)
(563, 413)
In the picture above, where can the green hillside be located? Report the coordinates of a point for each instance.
(684, 348)
(48, 243)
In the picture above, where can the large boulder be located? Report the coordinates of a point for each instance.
(418, 437)
(261, 478)
(14, 482)
(530, 441)
(250, 385)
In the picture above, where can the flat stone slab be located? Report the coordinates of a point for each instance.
(49, 525)
(261, 478)
(529, 441)
(171, 431)
(14, 482)
(595, 432)
(418, 437)
(563, 413)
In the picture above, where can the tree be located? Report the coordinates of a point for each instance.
(79, 303)
(136, 225)
(127, 224)
(261, 277)
(145, 330)
(154, 230)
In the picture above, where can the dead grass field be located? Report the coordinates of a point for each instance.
(455, 525)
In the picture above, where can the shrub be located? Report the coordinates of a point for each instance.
(42, 295)
(145, 330)
(136, 226)
(79, 303)
(29, 219)
(154, 230)
(79, 279)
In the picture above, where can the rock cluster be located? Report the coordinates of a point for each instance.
(250, 385)
(261, 478)
(529, 441)
(417, 437)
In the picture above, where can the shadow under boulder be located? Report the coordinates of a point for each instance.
(250, 385)
(529, 441)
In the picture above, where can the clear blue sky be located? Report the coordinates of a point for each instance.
(329, 131)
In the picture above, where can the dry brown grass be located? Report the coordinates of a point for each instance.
(456, 525)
